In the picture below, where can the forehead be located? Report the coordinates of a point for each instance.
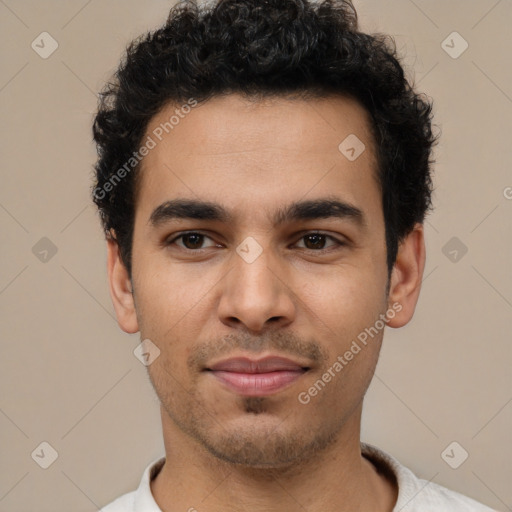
(250, 155)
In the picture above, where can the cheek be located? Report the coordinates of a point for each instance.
(167, 294)
(172, 307)
(346, 299)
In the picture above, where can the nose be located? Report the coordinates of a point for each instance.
(257, 294)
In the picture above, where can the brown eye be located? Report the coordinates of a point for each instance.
(317, 241)
(191, 241)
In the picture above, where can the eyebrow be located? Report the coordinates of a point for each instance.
(322, 208)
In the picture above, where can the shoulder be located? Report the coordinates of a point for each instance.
(140, 500)
(124, 503)
(416, 494)
(432, 496)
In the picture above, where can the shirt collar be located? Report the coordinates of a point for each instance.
(406, 481)
(143, 497)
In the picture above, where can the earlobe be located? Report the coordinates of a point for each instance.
(407, 276)
(121, 289)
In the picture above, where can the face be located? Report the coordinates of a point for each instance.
(259, 263)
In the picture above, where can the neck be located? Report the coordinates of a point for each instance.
(336, 479)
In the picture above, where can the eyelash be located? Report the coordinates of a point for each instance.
(317, 251)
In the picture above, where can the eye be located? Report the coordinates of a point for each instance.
(191, 240)
(315, 241)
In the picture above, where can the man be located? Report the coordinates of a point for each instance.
(263, 177)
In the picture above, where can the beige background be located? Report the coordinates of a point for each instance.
(68, 374)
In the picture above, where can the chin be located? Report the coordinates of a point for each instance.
(264, 442)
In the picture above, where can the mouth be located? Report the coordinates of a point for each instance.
(262, 377)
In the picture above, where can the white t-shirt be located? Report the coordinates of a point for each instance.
(414, 494)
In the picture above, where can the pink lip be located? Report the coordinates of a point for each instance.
(260, 377)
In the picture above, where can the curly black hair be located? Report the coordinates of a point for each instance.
(261, 48)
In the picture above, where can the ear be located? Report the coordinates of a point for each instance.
(407, 276)
(121, 289)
